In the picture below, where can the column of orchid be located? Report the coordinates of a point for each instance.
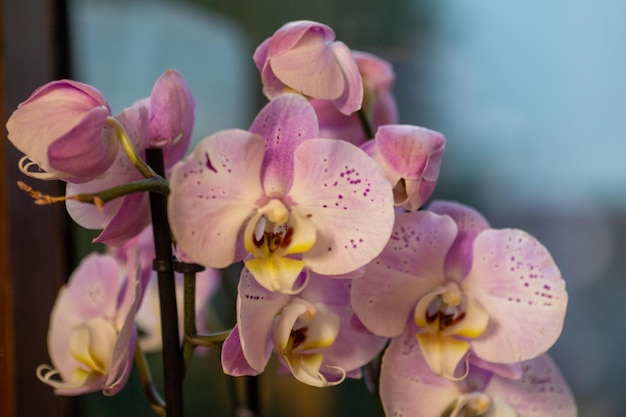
(322, 199)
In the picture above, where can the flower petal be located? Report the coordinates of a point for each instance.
(131, 218)
(284, 123)
(276, 273)
(342, 191)
(234, 362)
(310, 67)
(87, 150)
(470, 222)
(410, 266)
(410, 156)
(541, 391)
(213, 192)
(442, 353)
(256, 309)
(351, 99)
(514, 277)
(407, 385)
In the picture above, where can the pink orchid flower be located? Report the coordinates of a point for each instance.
(165, 119)
(410, 157)
(409, 388)
(91, 338)
(302, 56)
(464, 286)
(62, 130)
(379, 104)
(277, 192)
(315, 333)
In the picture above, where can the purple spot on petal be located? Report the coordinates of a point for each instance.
(208, 163)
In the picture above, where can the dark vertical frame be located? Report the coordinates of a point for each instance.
(34, 249)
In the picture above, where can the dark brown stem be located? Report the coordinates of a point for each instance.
(173, 370)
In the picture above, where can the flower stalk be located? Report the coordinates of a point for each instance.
(172, 357)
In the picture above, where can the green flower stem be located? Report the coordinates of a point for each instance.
(129, 149)
(209, 339)
(189, 309)
(365, 124)
(145, 378)
(156, 184)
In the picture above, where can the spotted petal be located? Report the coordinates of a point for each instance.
(541, 391)
(409, 267)
(213, 192)
(516, 280)
(342, 191)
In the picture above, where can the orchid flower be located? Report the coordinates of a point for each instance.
(465, 286)
(148, 318)
(91, 338)
(291, 200)
(302, 56)
(314, 333)
(62, 128)
(409, 388)
(165, 119)
(379, 104)
(410, 157)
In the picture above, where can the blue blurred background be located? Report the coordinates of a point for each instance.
(529, 94)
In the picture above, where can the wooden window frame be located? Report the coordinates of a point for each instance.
(34, 245)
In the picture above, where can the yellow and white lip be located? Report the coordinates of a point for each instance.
(448, 317)
(301, 332)
(271, 235)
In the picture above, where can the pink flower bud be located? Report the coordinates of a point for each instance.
(172, 112)
(62, 129)
(304, 57)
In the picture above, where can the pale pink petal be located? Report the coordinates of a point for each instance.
(131, 218)
(336, 125)
(213, 192)
(256, 309)
(123, 352)
(505, 370)
(354, 346)
(233, 361)
(91, 292)
(284, 123)
(352, 97)
(135, 122)
(410, 266)
(541, 391)
(470, 222)
(342, 191)
(516, 280)
(291, 33)
(410, 156)
(310, 68)
(374, 70)
(86, 150)
(407, 385)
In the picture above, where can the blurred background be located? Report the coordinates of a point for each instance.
(529, 94)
